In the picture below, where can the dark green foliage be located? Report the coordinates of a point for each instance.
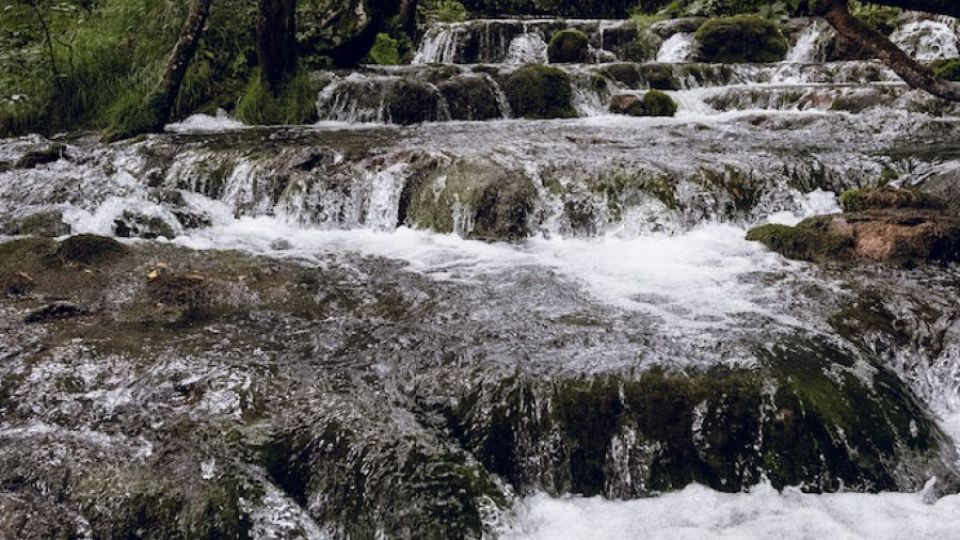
(537, 91)
(568, 46)
(742, 39)
(857, 200)
(385, 51)
(883, 19)
(947, 69)
(296, 103)
(90, 249)
(808, 241)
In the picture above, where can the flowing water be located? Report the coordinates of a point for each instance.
(622, 251)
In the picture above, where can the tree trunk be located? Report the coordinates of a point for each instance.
(159, 103)
(940, 7)
(915, 74)
(277, 42)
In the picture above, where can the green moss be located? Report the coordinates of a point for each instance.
(858, 200)
(659, 76)
(90, 249)
(568, 46)
(296, 103)
(947, 69)
(656, 103)
(538, 91)
(804, 242)
(742, 39)
(879, 18)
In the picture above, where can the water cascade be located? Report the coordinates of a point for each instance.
(437, 314)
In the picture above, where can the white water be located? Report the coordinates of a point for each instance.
(677, 48)
(928, 40)
(698, 513)
(527, 48)
(811, 45)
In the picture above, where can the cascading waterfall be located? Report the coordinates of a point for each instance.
(677, 48)
(811, 45)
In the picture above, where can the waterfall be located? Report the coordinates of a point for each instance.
(527, 48)
(441, 44)
(677, 48)
(810, 46)
(928, 40)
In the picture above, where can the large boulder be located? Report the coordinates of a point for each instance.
(538, 91)
(896, 227)
(742, 39)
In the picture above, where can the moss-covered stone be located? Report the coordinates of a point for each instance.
(652, 103)
(742, 39)
(803, 243)
(568, 47)
(412, 102)
(858, 200)
(47, 223)
(659, 76)
(90, 249)
(538, 91)
(628, 436)
(471, 98)
(479, 200)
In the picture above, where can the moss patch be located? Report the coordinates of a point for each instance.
(858, 200)
(90, 249)
(538, 91)
(742, 39)
(568, 47)
(805, 242)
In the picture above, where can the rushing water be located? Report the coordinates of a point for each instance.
(629, 252)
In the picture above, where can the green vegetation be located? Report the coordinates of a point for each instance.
(103, 58)
(880, 18)
(385, 51)
(538, 91)
(858, 200)
(808, 241)
(947, 69)
(568, 46)
(740, 39)
(442, 11)
(295, 105)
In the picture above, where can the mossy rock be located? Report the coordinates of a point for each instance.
(653, 103)
(568, 47)
(47, 223)
(35, 158)
(806, 243)
(659, 76)
(741, 39)
(627, 436)
(413, 102)
(471, 98)
(947, 69)
(858, 200)
(132, 225)
(538, 92)
(90, 249)
(479, 200)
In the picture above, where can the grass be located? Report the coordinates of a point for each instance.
(297, 104)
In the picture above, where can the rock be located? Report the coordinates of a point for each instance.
(413, 102)
(477, 200)
(741, 39)
(133, 225)
(34, 158)
(858, 200)
(569, 47)
(18, 284)
(652, 103)
(48, 223)
(90, 249)
(669, 27)
(183, 297)
(898, 237)
(189, 218)
(55, 311)
(471, 97)
(538, 91)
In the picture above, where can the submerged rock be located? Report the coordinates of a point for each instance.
(133, 225)
(47, 223)
(55, 311)
(90, 249)
(35, 158)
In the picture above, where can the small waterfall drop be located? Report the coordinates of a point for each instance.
(527, 48)
(441, 44)
(677, 48)
(811, 45)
